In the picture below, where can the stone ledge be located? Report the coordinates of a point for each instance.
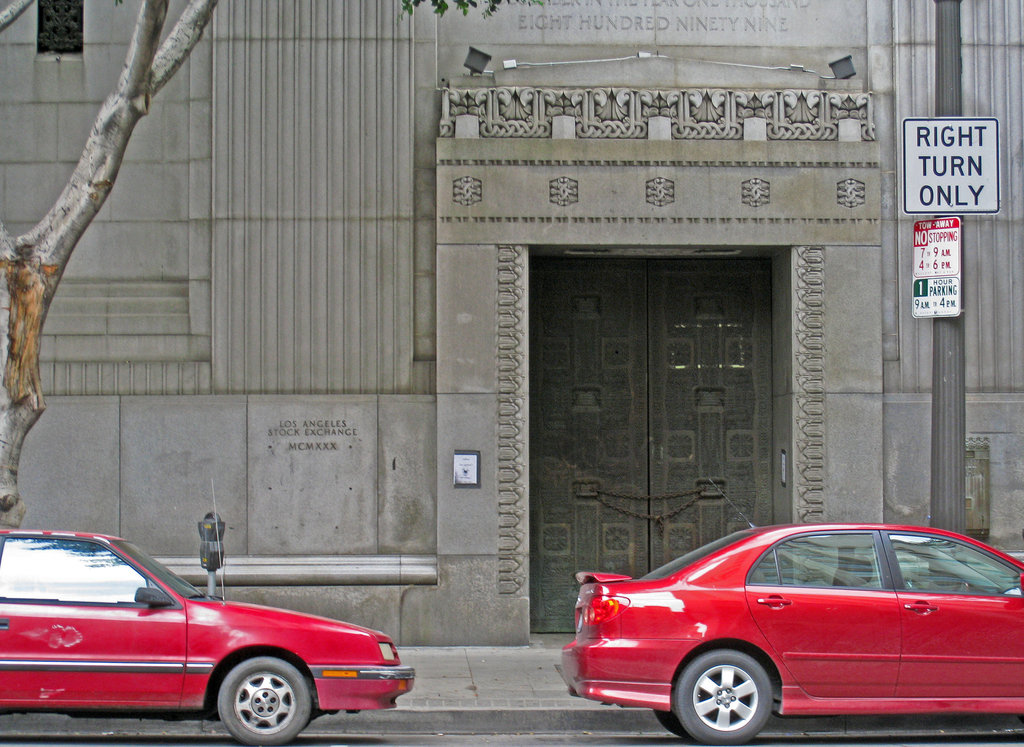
(314, 570)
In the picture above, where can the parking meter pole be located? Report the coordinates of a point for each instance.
(949, 416)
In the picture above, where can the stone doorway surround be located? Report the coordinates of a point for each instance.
(789, 174)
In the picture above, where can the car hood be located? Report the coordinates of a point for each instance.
(218, 627)
(259, 613)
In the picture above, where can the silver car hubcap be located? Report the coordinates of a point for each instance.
(725, 698)
(264, 703)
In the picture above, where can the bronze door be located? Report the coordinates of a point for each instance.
(650, 392)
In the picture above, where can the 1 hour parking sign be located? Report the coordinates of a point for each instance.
(937, 297)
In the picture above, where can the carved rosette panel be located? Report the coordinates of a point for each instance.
(809, 374)
(512, 420)
(624, 113)
(564, 191)
(467, 191)
(850, 193)
(660, 191)
(756, 192)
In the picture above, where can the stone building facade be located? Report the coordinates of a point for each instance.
(431, 341)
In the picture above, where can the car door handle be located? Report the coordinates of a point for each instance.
(921, 608)
(5, 624)
(774, 601)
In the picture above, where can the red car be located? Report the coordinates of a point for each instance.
(90, 624)
(805, 620)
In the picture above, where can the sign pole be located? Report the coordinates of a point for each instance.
(949, 411)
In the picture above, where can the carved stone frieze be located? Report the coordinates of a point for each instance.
(624, 113)
(512, 420)
(809, 375)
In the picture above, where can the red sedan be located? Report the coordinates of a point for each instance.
(90, 624)
(805, 620)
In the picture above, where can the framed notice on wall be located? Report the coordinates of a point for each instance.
(466, 469)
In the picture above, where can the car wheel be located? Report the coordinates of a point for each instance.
(723, 697)
(264, 701)
(670, 722)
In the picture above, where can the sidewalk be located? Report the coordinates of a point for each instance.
(505, 690)
(517, 690)
(473, 689)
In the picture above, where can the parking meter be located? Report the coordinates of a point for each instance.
(211, 548)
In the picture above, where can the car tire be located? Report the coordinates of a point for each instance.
(670, 722)
(723, 697)
(264, 701)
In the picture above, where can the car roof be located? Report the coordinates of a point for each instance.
(846, 526)
(58, 533)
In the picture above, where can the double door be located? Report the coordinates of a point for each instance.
(650, 396)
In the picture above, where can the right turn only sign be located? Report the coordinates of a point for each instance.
(950, 165)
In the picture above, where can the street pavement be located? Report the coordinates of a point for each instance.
(508, 690)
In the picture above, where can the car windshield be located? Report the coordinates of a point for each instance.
(163, 574)
(694, 555)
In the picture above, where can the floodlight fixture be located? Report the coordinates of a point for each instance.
(477, 61)
(843, 68)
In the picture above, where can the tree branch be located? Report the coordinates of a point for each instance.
(136, 75)
(11, 13)
(6, 242)
(54, 238)
(181, 41)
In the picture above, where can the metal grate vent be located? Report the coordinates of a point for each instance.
(60, 27)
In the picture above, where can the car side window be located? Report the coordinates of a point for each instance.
(65, 570)
(942, 565)
(844, 559)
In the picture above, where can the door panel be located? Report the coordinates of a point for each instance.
(93, 655)
(647, 377)
(587, 427)
(821, 602)
(74, 636)
(710, 426)
(838, 643)
(963, 620)
(961, 646)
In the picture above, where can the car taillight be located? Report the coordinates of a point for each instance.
(602, 609)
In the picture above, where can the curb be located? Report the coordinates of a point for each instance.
(617, 721)
(613, 720)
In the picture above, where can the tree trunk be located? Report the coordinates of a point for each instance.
(29, 287)
(15, 422)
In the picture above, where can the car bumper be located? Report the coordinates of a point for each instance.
(349, 688)
(628, 673)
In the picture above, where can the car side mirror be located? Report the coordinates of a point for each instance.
(152, 597)
(1022, 584)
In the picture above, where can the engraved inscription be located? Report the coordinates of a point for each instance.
(312, 435)
(706, 17)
